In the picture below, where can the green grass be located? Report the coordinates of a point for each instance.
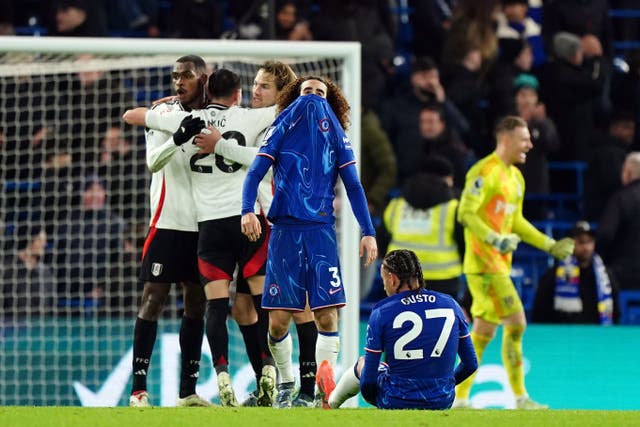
(14, 416)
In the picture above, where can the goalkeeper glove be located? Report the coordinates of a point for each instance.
(189, 127)
(504, 243)
(562, 248)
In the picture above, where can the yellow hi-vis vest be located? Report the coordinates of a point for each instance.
(427, 232)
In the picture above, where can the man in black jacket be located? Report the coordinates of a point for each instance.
(619, 227)
(579, 289)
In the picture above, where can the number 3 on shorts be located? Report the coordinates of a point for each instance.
(335, 281)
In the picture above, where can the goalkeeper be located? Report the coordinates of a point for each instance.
(491, 212)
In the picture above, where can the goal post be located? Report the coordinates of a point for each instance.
(39, 59)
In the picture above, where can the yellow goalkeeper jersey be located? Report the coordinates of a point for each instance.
(491, 202)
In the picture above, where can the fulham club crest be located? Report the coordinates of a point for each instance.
(156, 269)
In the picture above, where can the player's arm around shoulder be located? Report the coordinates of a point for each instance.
(262, 117)
(135, 116)
(160, 117)
(166, 119)
(160, 147)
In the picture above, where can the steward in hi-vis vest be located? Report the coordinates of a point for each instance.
(423, 220)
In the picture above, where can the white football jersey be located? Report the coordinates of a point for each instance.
(171, 199)
(245, 155)
(216, 181)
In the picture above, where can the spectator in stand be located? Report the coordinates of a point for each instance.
(27, 284)
(248, 21)
(93, 100)
(625, 90)
(430, 20)
(473, 26)
(438, 139)
(289, 26)
(134, 15)
(400, 114)
(196, 19)
(589, 20)
(608, 153)
(579, 17)
(7, 18)
(515, 57)
(78, 18)
(619, 227)
(424, 218)
(366, 21)
(85, 249)
(25, 124)
(569, 89)
(463, 84)
(594, 58)
(544, 137)
(515, 24)
(578, 289)
(122, 164)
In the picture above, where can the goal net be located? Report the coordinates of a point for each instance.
(74, 212)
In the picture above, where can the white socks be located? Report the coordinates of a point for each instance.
(327, 347)
(282, 352)
(347, 387)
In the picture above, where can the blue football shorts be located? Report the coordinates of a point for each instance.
(301, 260)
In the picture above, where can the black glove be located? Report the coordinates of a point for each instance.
(189, 127)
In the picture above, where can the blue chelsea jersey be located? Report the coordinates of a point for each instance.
(308, 147)
(418, 331)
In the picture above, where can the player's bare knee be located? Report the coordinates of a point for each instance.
(195, 301)
(246, 316)
(195, 310)
(277, 331)
(154, 297)
(514, 331)
(326, 319)
(243, 310)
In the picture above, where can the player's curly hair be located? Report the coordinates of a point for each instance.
(404, 264)
(335, 97)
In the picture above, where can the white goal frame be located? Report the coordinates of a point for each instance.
(349, 52)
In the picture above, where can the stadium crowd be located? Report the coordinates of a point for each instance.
(436, 85)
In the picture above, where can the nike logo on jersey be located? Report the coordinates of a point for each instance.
(292, 125)
(334, 291)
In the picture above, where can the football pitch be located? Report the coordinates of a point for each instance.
(15, 416)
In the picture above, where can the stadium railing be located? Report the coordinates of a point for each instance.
(622, 45)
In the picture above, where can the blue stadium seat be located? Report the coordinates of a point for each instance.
(629, 307)
(565, 206)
